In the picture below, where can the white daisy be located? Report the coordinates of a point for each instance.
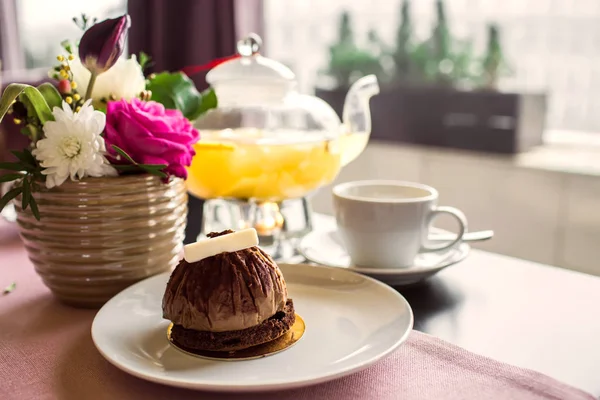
(72, 146)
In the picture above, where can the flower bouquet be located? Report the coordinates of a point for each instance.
(99, 194)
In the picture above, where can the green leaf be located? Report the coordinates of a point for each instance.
(66, 44)
(209, 100)
(26, 198)
(29, 131)
(126, 168)
(51, 94)
(122, 153)
(10, 177)
(10, 166)
(9, 288)
(154, 166)
(154, 171)
(144, 60)
(34, 208)
(37, 101)
(8, 196)
(32, 132)
(148, 168)
(29, 156)
(176, 91)
(27, 159)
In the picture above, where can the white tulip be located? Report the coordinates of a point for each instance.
(125, 80)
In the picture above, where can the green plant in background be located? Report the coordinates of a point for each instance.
(440, 60)
(403, 52)
(493, 63)
(411, 60)
(346, 36)
(347, 61)
(440, 39)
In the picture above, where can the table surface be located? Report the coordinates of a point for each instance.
(523, 313)
(519, 312)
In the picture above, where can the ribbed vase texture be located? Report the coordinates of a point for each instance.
(100, 235)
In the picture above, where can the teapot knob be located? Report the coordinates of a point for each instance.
(250, 45)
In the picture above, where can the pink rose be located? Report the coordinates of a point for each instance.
(150, 134)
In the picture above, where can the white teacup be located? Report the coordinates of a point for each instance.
(385, 224)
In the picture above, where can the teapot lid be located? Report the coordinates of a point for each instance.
(250, 77)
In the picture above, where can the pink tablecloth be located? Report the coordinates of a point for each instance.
(46, 352)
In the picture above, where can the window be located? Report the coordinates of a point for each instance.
(44, 24)
(551, 45)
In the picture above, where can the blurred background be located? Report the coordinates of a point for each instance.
(492, 102)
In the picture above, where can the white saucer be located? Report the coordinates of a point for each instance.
(325, 247)
(343, 334)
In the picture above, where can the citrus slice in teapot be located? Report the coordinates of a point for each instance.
(267, 142)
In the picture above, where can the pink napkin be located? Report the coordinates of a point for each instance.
(46, 352)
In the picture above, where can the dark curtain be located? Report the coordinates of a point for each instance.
(180, 33)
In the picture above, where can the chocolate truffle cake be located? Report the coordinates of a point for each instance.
(227, 295)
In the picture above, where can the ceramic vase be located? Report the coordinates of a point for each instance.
(98, 236)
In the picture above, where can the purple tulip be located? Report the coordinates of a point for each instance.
(103, 43)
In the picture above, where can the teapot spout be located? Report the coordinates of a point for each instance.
(356, 115)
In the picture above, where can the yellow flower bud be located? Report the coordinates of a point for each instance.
(76, 97)
(73, 85)
(60, 58)
(66, 68)
(17, 121)
(69, 99)
(77, 109)
(63, 74)
(71, 57)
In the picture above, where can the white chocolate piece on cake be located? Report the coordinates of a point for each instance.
(229, 243)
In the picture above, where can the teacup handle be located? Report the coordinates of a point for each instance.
(462, 228)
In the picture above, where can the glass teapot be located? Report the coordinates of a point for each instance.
(265, 142)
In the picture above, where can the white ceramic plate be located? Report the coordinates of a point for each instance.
(343, 334)
(325, 247)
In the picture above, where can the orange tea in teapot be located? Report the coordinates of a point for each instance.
(261, 166)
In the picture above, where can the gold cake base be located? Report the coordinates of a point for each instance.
(262, 350)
